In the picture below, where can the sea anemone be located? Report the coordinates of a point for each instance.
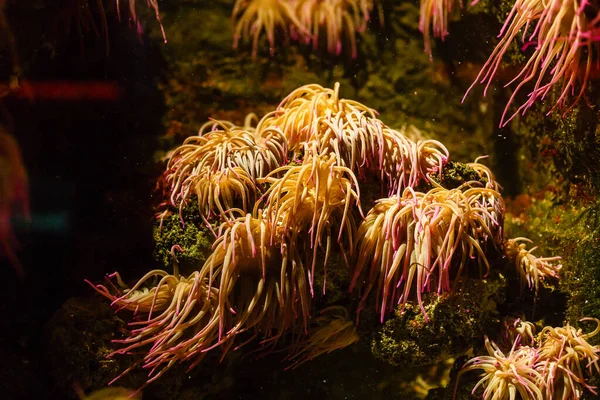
(553, 368)
(133, 14)
(89, 16)
(485, 173)
(564, 355)
(506, 375)
(312, 199)
(316, 119)
(248, 284)
(14, 196)
(517, 330)
(261, 285)
(565, 42)
(531, 269)
(219, 191)
(331, 330)
(302, 114)
(221, 164)
(420, 237)
(336, 19)
(251, 17)
(182, 320)
(434, 17)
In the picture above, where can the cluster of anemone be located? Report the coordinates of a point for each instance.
(564, 37)
(283, 194)
(14, 196)
(557, 365)
(306, 21)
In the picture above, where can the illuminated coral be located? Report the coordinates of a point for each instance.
(564, 41)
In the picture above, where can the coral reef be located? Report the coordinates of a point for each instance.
(305, 165)
(388, 71)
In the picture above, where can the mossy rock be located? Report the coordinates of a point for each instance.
(455, 322)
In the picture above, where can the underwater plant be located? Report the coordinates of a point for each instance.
(564, 38)
(14, 196)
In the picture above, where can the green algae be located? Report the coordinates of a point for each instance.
(455, 174)
(560, 171)
(187, 231)
(78, 341)
(455, 322)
